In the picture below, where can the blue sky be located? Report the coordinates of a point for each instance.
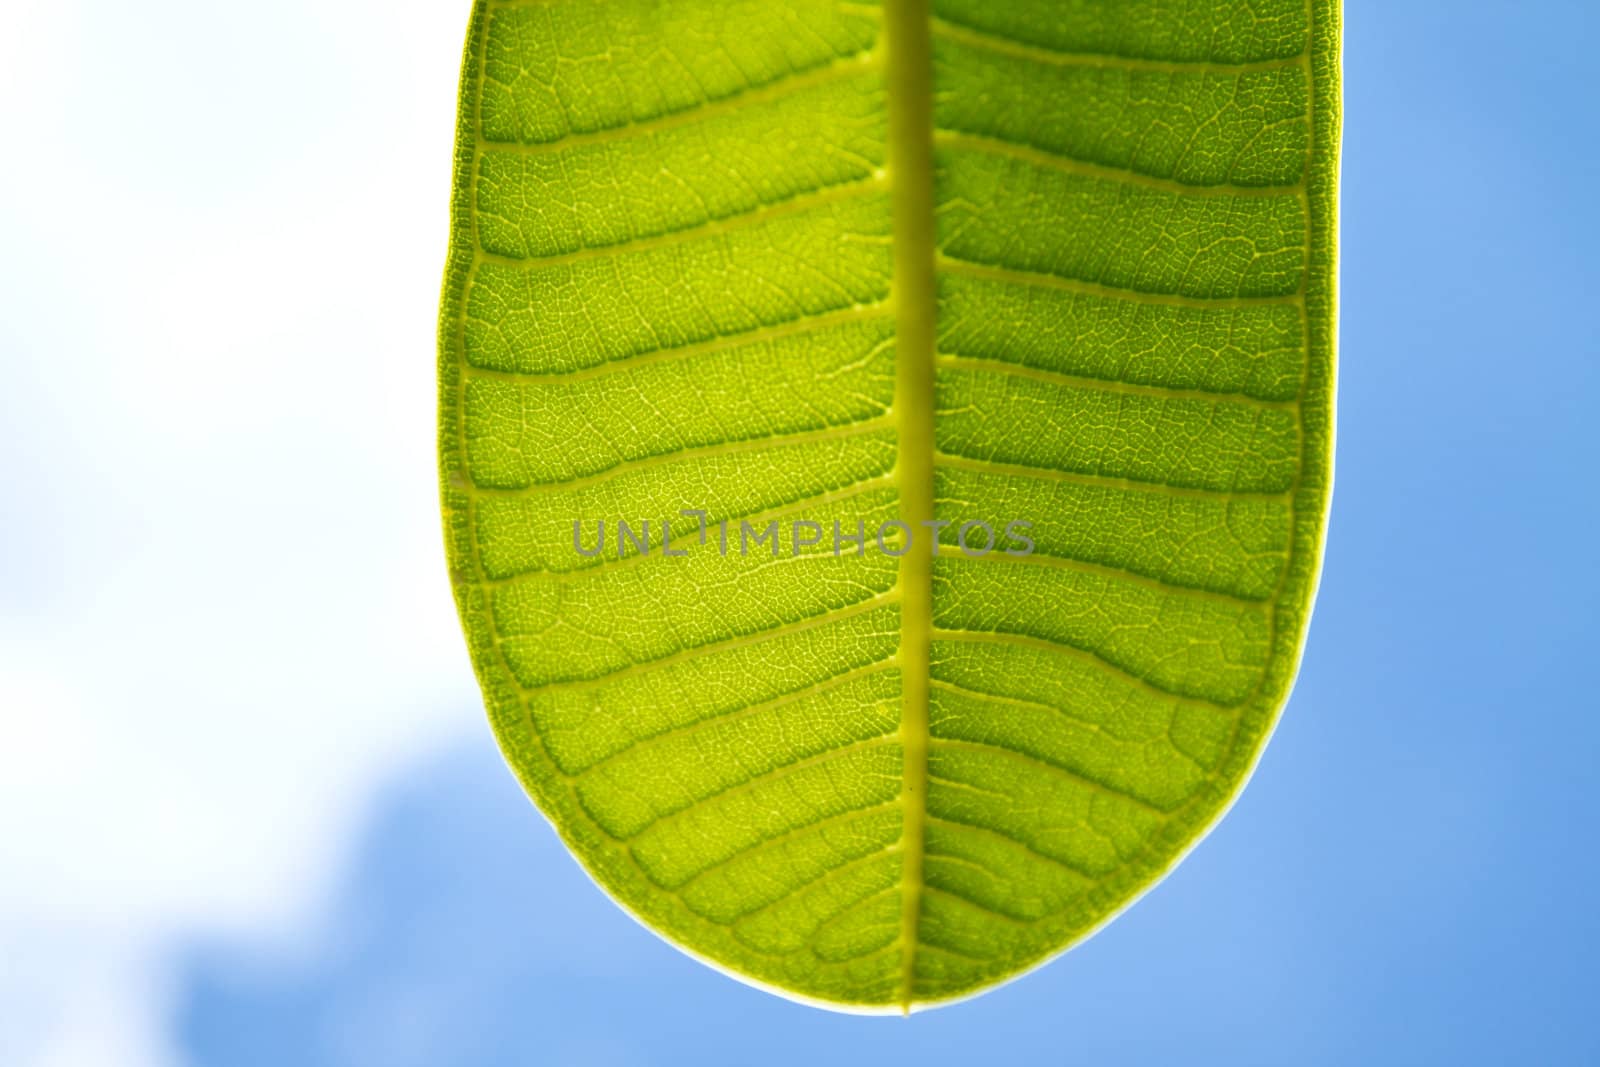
(1407, 879)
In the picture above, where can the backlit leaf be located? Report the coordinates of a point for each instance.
(1061, 267)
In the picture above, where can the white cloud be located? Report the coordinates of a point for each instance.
(223, 607)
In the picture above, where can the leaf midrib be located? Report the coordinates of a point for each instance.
(907, 42)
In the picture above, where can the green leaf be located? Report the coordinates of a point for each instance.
(1059, 262)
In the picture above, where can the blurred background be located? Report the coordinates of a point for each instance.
(251, 813)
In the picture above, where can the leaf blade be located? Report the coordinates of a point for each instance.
(919, 274)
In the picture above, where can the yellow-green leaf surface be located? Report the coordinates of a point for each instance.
(1066, 262)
